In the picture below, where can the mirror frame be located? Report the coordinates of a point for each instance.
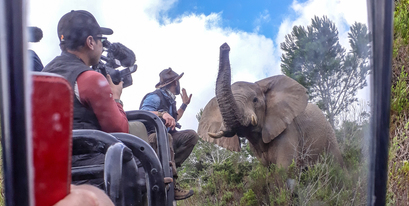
(15, 116)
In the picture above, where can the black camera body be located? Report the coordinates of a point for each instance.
(117, 55)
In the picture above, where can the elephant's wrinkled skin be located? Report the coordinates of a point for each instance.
(273, 114)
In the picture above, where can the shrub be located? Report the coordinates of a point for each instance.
(398, 167)
(249, 199)
(401, 19)
(399, 92)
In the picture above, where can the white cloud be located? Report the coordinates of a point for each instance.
(188, 44)
(263, 18)
(342, 12)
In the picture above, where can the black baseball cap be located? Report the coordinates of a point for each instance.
(76, 26)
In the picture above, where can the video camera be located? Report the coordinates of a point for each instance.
(117, 55)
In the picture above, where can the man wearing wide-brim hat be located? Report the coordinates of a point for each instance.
(162, 103)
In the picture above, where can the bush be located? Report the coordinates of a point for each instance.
(399, 93)
(401, 19)
(249, 199)
(398, 167)
(400, 39)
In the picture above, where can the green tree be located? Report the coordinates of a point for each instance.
(314, 57)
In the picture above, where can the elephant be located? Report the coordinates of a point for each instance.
(273, 114)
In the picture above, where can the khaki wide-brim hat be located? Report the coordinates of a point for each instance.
(167, 76)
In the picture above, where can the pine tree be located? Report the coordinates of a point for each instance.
(314, 57)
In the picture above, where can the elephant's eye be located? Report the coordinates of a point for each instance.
(255, 100)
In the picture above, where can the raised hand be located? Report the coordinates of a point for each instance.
(185, 98)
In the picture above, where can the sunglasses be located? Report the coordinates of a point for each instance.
(102, 38)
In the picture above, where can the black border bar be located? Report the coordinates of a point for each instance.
(17, 169)
(380, 16)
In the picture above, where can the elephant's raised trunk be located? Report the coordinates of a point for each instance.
(230, 112)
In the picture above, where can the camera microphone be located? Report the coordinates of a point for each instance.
(117, 55)
(121, 53)
(35, 34)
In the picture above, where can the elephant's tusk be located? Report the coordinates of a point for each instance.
(253, 120)
(216, 135)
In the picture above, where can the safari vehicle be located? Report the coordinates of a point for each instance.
(37, 141)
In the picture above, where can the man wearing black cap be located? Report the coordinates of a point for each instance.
(97, 103)
(162, 103)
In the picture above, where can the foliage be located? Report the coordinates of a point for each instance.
(400, 91)
(350, 136)
(400, 39)
(217, 174)
(324, 184)
(249, 198)
(199, 115)
(327, 184)
(398, 167)
(401, 19)
(2, 199)
(314, 57)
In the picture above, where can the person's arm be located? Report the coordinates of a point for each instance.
(152, 103)
(85, 195)
(186, 100)
(99, 94)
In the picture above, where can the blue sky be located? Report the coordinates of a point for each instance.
(186, 35)
(240, 14)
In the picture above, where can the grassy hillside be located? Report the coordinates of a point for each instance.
(221, 177)
(398, 171)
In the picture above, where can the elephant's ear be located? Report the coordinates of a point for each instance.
(285, 99)
(212, 121)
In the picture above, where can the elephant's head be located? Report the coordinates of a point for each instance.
(265, 107)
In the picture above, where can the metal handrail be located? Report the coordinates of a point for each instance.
(162, 140)
(155, 176)
(94, 141)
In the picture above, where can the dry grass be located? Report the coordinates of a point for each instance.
(2, 200)
(398, 167)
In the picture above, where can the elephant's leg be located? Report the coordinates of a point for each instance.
(286, 151)
(286, 156)
(285, 147)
